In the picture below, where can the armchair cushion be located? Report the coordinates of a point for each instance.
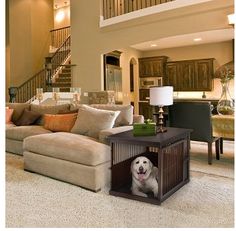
(138, 119)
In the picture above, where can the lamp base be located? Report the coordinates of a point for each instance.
(161, 129)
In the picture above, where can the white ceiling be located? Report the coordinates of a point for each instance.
(60, 3)
(187, 40)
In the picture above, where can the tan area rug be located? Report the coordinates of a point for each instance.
(207, 200)
(222, 167)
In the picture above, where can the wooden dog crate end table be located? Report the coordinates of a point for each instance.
(169, 151)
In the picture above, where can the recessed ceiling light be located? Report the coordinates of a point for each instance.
(197, 39)
(153, 45)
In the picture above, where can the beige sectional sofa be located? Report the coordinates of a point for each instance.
(74, 158)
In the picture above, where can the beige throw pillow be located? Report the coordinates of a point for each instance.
(90, 121)
(126, 113)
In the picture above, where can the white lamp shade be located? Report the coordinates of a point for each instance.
(161, 96)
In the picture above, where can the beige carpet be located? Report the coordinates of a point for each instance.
(207, 200)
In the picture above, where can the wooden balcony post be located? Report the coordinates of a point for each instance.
(12, 93)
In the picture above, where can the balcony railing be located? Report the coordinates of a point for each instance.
(113, 8)
(58, 36)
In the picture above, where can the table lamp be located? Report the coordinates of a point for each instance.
(161, 96)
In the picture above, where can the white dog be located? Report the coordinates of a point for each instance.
(144, 177)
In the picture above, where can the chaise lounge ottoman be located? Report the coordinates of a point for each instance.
(73, 158)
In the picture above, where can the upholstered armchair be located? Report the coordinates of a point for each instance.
(197, 116)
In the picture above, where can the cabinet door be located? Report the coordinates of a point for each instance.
(143, 94)
(186, 76)
(157, 68)
(145, 68)
(204, 74)
(172, 75)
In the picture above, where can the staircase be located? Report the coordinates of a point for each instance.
(63, 81)
(57, 71)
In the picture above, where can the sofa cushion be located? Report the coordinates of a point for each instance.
(8, 114)
(7, 126)
(46, 109)
(105, 133)
(27, 118)
(68, 146)
(126, 113)
(59, 123)
(18, 109)
(90, 121)
(21, 132)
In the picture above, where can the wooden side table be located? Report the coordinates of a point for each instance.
(168, 151)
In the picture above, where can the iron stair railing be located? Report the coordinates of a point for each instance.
(26, 91)
(43, 79)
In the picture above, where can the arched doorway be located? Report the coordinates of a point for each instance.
(133, 75)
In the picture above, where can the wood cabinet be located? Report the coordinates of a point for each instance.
(204, 74)
(146, 110)
(143, 94)
(190, 75)
(152, 66)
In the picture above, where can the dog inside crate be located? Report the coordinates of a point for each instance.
(137, 175)
(144, 177)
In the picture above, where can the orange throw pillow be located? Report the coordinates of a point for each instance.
(9, 113)
(59, 123)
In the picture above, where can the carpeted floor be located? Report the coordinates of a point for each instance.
(207, 200)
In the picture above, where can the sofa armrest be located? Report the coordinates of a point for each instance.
(107, 132)
(138, 119)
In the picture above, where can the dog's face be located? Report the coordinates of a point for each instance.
(141, 167)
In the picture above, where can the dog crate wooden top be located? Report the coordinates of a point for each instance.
(159, 140)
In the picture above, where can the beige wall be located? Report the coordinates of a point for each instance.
(28, 43)
(222, 52)
(89, 41)
(126, 56)
(65, 21)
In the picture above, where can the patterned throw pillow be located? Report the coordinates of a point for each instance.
(90, 121)
(9, 113)
(59, 123)
(27, 118)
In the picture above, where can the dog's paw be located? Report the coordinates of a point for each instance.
(138, 193)
(155, 194)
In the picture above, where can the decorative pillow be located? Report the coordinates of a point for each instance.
(90, 121)
(18, 109)
(59, 123)
(48, 109)
(126, 113)
(9, 113)
(27, 118)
